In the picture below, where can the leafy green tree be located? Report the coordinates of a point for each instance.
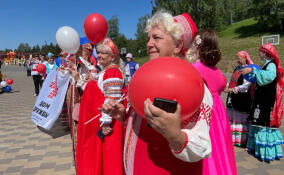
(281, 15)
(7, 50)
(113, 27)
(206, 14)
(269, 14)
(35, 49)
(55, 49)
(44, 49)
(23, 48)
(120, 41)
(132, 47)
(141, 37)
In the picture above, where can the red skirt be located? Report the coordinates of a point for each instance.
(96, 156)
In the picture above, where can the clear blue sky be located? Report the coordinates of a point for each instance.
(36, 21)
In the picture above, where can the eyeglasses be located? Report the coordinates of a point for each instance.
(62, 55)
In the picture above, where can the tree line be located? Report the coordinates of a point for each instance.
(25, 48)
(215, 14)
(218, 14)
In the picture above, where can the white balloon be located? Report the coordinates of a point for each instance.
(68, 39)
(3, 83)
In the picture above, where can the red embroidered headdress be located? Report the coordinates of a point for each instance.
(245, 55)
(277, 113)
(190, 30)
(108, 42)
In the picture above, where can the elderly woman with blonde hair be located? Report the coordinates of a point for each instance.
(168, 146)
(100, 140)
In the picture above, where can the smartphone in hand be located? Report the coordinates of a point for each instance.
(166, 105)
(100, 134)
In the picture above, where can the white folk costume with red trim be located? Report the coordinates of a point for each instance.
(94, 156)
(110, 82)
(148, 152)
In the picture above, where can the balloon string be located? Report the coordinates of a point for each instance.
(121, 98)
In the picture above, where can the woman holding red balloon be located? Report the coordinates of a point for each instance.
(37, 71)
(99, 141)
(162, 142)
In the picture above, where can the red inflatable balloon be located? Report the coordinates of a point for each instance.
(95, 27)
(168, 78)
(40, 68)
(9, 81)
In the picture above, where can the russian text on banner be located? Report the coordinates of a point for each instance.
(49, 103)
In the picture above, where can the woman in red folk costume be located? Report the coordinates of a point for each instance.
(169, 146)
(265, 138)
(72, 100)
(81, 74)
(239, 101)
(100, 151)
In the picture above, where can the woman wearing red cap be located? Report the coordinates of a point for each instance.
(239, 101)
(265, 139)
(99, 150)
(167, 146)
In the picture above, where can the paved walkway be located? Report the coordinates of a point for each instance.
(24, 148)
(27, 150)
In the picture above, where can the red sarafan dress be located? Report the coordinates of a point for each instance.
(148, 152)
(96, 156)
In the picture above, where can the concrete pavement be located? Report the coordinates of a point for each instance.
(27, 150)
(24, 148)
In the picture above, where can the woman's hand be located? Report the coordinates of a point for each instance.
(107, 129)
(167, 124)
(89, 76)
(246, 70)
(228, 90)
(76, 75)
(114, 110)
(62, 70)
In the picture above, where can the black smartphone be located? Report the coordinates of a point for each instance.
(166, 105)
(100, 134)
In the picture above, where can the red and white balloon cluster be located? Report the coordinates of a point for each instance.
(95, 27)
(5, 85)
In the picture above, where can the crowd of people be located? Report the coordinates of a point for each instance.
(120, 141)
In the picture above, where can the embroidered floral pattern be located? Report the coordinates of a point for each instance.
(256, 113)
(204, 112)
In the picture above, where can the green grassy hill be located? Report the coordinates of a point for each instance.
(243, 35)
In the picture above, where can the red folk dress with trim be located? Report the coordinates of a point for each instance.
(96, 156)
